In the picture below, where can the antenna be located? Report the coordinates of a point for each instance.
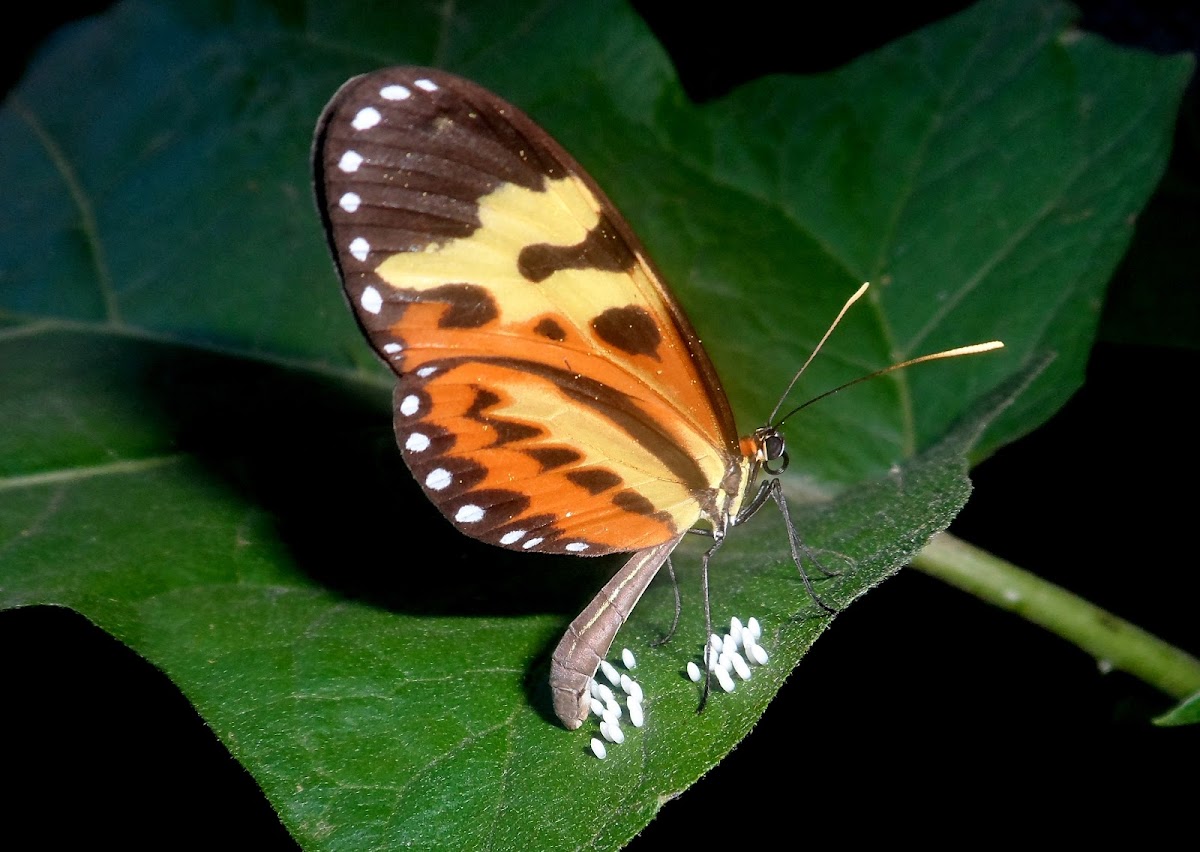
(959, 351)
(973, 349)
(836, 321)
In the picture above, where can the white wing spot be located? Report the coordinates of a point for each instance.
(533, 542)
(577, 546)
(512, 536)
(370, 300)
(417, 442)
(438, 479)
(360, 248)
(469, 514)
(392, 348)
(350, 201)
(350, 161)
(410, 405)
(427, 85)
(394, 93)
(366, 118)
(426, 372)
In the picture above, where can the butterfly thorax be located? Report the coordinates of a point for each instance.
(737, 495)
(727, 499)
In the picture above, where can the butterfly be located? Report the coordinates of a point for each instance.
(551, 394)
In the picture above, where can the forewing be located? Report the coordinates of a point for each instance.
(552, 395)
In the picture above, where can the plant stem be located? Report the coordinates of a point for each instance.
(1113, 641)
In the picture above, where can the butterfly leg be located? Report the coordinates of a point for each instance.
(591, 634)
(678, 607)
(719, 538)
(774, 489)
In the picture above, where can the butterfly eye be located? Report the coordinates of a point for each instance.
(772, 447)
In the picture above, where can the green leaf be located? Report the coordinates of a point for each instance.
(197, 452)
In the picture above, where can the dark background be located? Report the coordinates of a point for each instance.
(926, 714)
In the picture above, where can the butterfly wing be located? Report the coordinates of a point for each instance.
(551, 394)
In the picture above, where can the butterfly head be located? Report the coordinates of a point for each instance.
(770, 447)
